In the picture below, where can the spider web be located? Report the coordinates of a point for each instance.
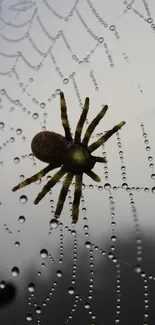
(101, 271)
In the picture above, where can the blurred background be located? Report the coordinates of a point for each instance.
(102, 270)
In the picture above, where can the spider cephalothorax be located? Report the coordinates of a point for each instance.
(73, 155)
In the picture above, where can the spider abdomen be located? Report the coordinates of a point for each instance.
(49, 147)
(77, 159)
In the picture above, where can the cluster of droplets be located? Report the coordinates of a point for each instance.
(150, 158)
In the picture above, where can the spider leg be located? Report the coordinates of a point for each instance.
(100, 159)
(63, 193)
(105, 137)
(94, 176)
(64, 118)
(77, 196)
(56, 177)
(33, 178)
(93, 125)
(81, 121)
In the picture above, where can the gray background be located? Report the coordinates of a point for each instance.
(50, 46)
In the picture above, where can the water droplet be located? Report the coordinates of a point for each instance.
(15, 271)
(21, 219)
(88, 244)
(65, 81)
(137, 269)
(23, 199)
(149, 20)
(58, 91)
(112, 27)
(59, 274)
(101, 40)
(71, 290)
(1, 125)
(2, 284)
(107, 186)
(42, 105)
(153, 189)
(17, 244)
(16, 160)
(35, 116)
(12, 139)
(54, 223)
(43, 253)
(38, 310)
(29, 317)
(86, 305)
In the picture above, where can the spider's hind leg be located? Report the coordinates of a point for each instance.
(63, 193)
(33, 178)
(77, 196)
(56, 177)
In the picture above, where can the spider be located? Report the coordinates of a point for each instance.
(73, 155)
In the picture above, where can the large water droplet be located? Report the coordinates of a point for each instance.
(43, 253)
(15, 271)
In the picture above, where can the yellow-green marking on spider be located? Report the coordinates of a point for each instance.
(72, 155)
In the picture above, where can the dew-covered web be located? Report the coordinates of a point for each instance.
(101, 270)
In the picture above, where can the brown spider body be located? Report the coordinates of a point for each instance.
(49, 147)
(71, 153)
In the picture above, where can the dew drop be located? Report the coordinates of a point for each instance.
(18, 131)
(65, 81)
(101, 40)
(112, 27)
(86, 305)
(2, 284)
(54, 223)
(113, 238)
(35, 116)
(153, 189)
(15, 271)
(107, 186)
(57, 91)
(17, 244)
(137, 269)
(88, 244)
(38, 310)
(29, 317)
(42, 105)
(16, 160)
(23, 199)
(1, 125)
(43, 253)
(21, 219)
(71, 290)
(59, 274)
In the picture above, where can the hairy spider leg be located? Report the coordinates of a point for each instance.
(34, 178)
(56, 177)
(100, 159)
(77, 196)
(63, 193)
(93, 125)
(94, 176)
(105, 137)
(64, 118)
(79, 127)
